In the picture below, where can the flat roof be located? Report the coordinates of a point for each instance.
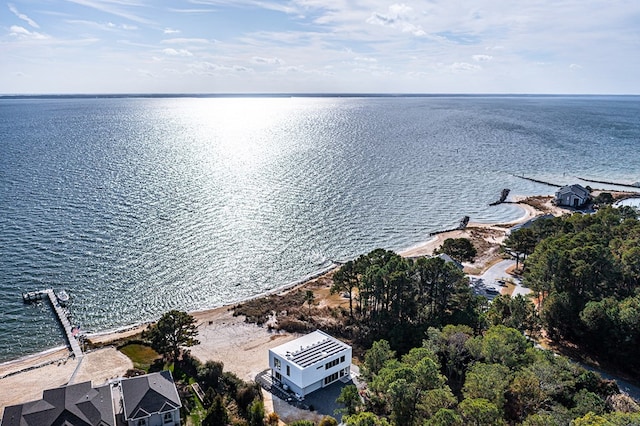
(310, 349)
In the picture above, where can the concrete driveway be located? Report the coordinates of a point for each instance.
(490, 283)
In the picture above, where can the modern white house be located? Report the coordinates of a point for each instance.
(572, 196)
(310, 362)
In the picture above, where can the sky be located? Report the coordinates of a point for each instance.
(315, 46)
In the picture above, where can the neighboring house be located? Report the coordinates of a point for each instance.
(153, 398)
(449, 259)
(572, 196)
(77, 405)
(310, 362)
(529, 223)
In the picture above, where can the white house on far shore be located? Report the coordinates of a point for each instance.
(310, 362)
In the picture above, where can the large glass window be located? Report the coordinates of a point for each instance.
(331, 364)
(330, 379)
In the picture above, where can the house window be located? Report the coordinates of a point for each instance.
(276, 363)
(288, 371)
(278, 376)
(331, 364)
(330, 379)
(142, 422)
(168, 418)
(342, 358)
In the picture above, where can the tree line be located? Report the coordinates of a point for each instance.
(399, 298)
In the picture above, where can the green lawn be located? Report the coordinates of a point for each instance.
(142, 356)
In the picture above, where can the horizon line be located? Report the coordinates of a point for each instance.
(298, 94)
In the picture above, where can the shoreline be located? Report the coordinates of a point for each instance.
(105, 337)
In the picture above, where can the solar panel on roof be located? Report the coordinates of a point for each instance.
(316, 352)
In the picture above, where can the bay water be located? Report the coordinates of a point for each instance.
(136, 206)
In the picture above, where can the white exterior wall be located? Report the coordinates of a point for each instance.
(305, 381)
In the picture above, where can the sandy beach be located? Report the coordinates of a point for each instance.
(241, 346)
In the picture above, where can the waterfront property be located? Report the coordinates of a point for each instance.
(309, 363)
(575, 196)
(78, 404)
(149, 400)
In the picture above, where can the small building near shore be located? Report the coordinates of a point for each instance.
(575, 196)
(529, 223)
(309, 363)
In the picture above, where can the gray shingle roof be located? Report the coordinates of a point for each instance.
(576, 189)
(73, 405)
(148, 394)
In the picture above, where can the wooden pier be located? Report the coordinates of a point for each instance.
(61, 314)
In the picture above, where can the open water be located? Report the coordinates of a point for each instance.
(139, 205)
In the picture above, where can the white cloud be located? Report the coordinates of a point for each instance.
(24, 34)
(22, 16)
(365, 59)
(116, 8)
(209, 68)
(174, 52)
(292, 69)
(108, 26)
(482, 58)
(400, 17)
(269, 61)
(464, 67)
(575, 67)
(171, 31)
(185, 41)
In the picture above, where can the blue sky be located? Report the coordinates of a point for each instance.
(219, 46)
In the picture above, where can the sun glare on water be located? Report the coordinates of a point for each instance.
(239, 133)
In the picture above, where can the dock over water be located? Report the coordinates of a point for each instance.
(61, 314)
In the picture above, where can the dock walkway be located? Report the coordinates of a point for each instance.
(60, 313)
(62, 317)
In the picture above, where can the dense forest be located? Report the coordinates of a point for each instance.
(585, 268)
(459, 377)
